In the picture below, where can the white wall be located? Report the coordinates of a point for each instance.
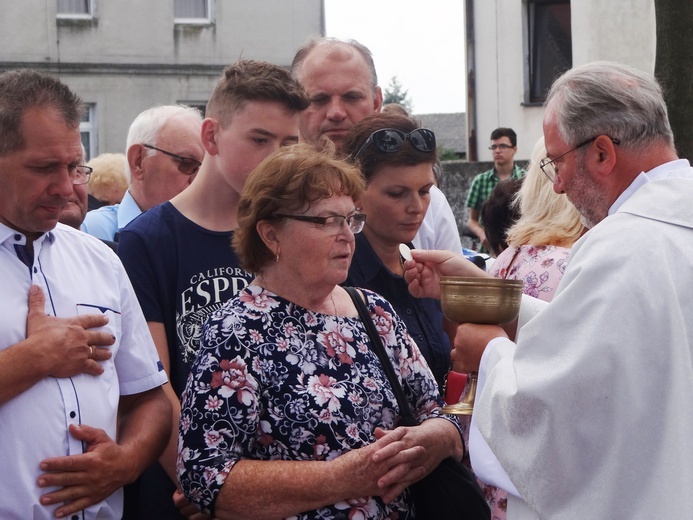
(616, 31)
(601, 29)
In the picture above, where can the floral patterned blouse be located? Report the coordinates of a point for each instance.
(539, 267)
(275, 381)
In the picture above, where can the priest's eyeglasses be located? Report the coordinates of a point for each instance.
(548, 166)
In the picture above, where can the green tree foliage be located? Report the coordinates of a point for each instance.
(673, 58)
(396, 93)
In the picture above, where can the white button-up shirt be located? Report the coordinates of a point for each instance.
(78, 275)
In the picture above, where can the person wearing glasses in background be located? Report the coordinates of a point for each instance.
(82, 411)
(75, 209)
(179, 254)
(164, 152)
(287, 412)
(396, 158)
(504, 147)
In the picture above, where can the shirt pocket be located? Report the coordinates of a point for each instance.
(113, 327)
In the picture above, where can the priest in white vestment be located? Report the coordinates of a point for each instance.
(588, 415)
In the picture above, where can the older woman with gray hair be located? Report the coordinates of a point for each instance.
(288, 411)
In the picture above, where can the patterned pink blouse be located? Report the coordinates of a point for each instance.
(539, 267)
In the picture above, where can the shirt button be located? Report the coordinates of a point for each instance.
(36, 269)
(74, 517)
(408, 311)
(421, 338)
(18, 237)
(73, 415)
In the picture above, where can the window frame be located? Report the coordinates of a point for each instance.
(209, 20)
(532, 74)
(90, 129)
(91, 6)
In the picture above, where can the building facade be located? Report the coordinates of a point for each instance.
(123, 56)
(515, 48)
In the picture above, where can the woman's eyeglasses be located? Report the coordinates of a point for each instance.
(186, 165)
(332, 224)
(389, 140)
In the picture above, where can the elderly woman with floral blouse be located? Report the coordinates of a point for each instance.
(287, 411)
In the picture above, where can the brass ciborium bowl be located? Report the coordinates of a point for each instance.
(491, 301)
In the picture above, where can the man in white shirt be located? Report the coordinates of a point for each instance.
(588, 414)
(82, 411)
(341, 82)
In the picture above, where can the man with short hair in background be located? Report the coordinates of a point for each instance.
(504, 147)
(163, 152)
(82, 411)
(75, 209)
(341, 82)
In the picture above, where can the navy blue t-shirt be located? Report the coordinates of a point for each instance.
(181, 273)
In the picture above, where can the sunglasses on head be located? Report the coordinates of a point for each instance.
(389, 140)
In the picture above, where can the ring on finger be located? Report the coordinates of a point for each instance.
(91, 351)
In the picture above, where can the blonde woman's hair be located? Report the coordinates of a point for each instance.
(110, 174)
(546, 218)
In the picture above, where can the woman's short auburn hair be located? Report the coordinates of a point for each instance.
(288, 181)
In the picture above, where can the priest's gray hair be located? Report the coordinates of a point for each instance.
(605, 98)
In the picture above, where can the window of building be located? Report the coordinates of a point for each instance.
(549, 45)
(88, 132)
(75, 8)
(193, 11)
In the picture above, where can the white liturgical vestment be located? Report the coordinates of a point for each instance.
(590, 414)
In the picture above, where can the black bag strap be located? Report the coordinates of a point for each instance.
(357, 297)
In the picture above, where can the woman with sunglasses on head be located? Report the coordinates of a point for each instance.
(287, 411)
(396, 158)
